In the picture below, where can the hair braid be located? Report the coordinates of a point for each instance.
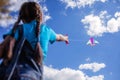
(16, 25)
(38, 47)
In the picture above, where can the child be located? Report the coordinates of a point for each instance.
(36, 33)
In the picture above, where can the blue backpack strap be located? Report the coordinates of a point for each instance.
(16, 55)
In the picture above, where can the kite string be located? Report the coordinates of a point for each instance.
(74, 40)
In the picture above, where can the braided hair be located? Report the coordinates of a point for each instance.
(31, 11)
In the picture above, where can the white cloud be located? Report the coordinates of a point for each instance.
(103, 14)
(94, 25)
(67, 74)
(63, 74)
(117, 14)
(100, 77)
(46, 14)
(15, 6)
(92, 66)
(45, 9)
(80, 3)
(6, 20)
(88, 59)
(97, 25)
(113, 25)
(70, 3)
(103, 1)
(46, 17)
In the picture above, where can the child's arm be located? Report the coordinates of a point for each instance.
(61, 37)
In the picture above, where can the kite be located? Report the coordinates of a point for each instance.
(92, 42)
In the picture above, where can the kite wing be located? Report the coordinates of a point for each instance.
(96, 42)
(89, 42)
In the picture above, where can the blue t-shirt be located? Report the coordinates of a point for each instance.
(46, 35)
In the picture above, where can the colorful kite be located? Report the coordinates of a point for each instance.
(92, 42)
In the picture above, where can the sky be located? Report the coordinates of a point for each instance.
(80, 20)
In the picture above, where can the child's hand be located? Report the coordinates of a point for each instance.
(66, 39)
(61, 37)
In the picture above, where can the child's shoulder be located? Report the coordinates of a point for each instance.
(45, 27)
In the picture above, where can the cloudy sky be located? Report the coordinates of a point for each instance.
(80, 19)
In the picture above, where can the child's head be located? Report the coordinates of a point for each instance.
(30, 11)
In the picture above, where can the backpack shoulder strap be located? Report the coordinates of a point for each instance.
(16, 55)
(20, 32)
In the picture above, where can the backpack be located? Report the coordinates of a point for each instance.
(22, 64)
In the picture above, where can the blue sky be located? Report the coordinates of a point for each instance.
(80, 19)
